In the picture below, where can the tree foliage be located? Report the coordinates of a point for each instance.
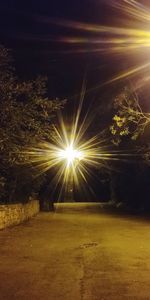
(131, 185)
(27, 117)
(129, 120)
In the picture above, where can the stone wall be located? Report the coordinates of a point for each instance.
(14, 214)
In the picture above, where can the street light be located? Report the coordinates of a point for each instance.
(71, 155)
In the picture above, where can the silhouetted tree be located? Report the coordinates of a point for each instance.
(130, 131)
(26, 118)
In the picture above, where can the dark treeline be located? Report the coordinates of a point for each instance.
(27, 115)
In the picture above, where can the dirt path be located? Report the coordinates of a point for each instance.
(78, 253)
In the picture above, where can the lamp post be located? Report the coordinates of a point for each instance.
(72, 158)
(69, 195)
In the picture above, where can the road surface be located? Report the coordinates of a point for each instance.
(81, 252)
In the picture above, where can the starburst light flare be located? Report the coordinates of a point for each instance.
(71, 157)
(126, 39)
(70, 154)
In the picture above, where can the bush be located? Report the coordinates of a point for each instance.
(131, 186)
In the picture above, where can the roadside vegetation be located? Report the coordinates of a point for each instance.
(27, 118)
(130, 132)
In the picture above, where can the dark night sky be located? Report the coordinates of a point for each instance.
(28, 28)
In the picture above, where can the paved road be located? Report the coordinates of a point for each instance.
(80, 252)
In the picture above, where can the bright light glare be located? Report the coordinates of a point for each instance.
(70, 154)
(72, 157)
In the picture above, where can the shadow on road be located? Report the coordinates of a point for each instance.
(101, 208)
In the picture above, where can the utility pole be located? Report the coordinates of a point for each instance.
(69, 197)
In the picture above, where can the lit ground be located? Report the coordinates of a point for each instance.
(79, 253)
